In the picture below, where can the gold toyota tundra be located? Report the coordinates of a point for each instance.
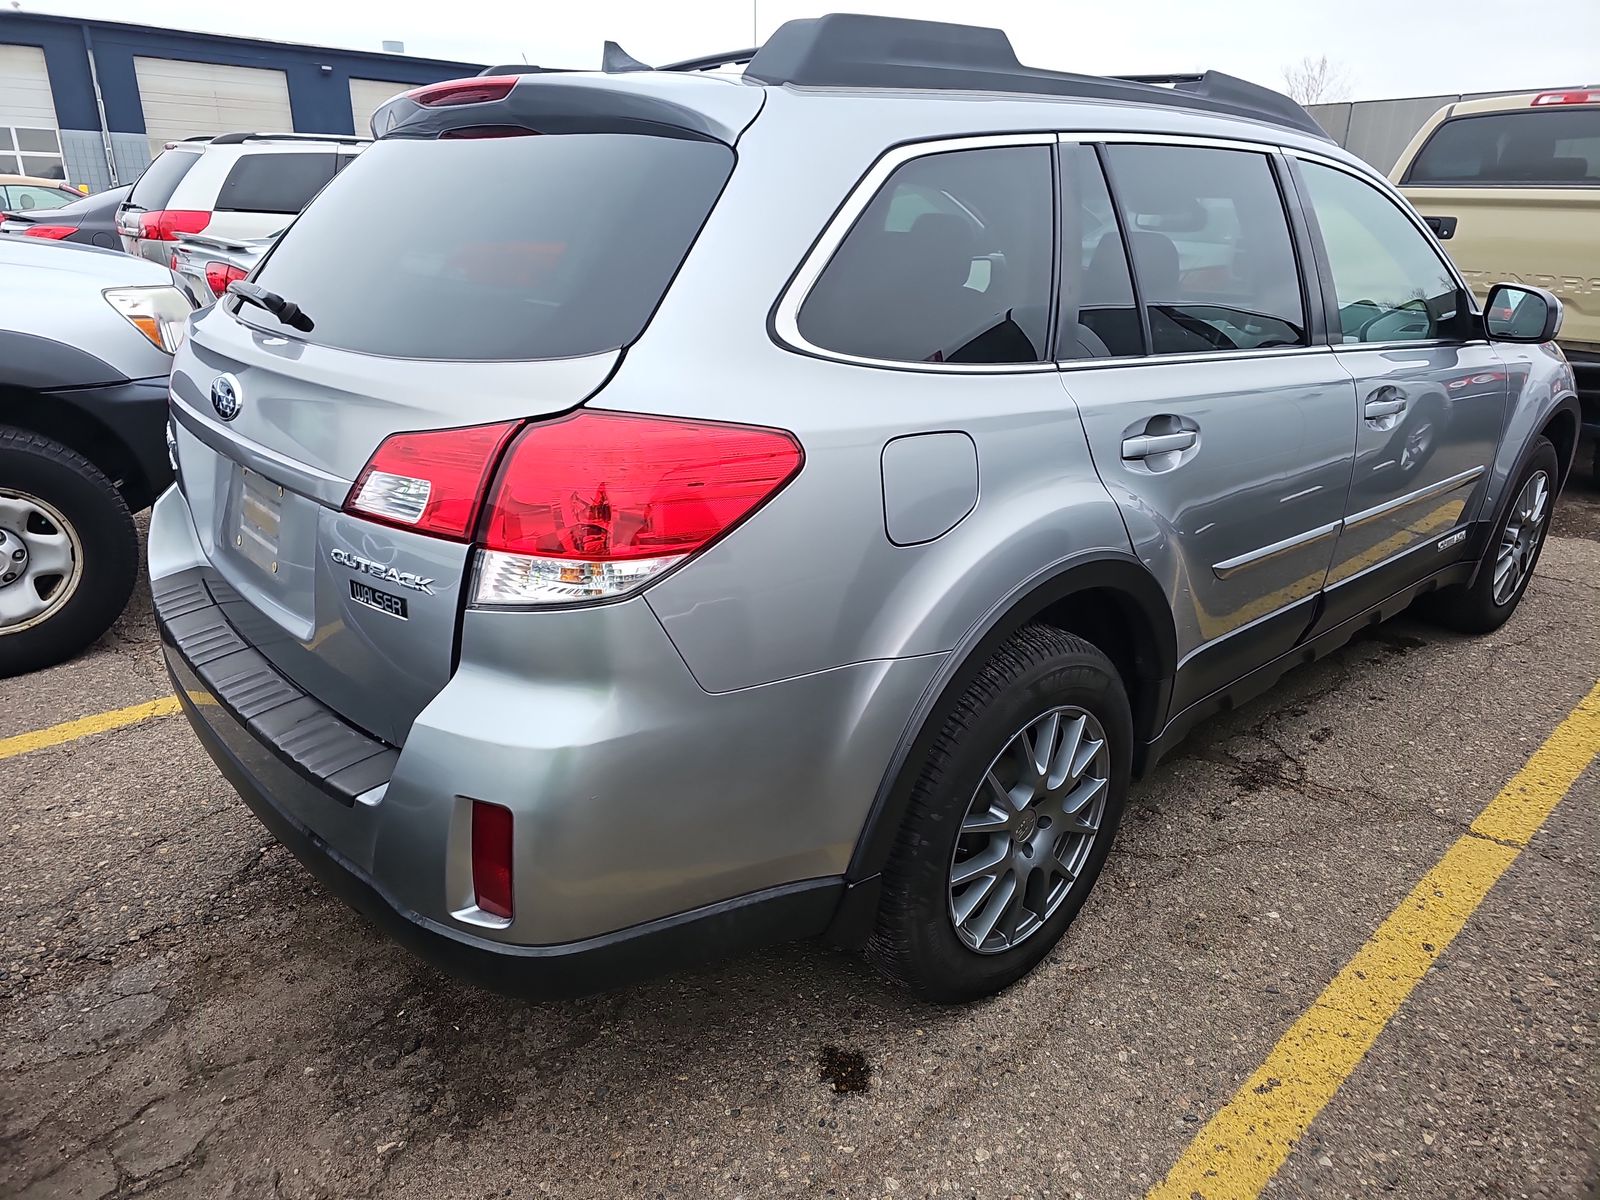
(1511, 186)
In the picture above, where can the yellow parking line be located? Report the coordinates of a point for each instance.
(1240, 1149)
(71, 731)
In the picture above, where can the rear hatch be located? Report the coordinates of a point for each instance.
(1515, 196)
(517, 306)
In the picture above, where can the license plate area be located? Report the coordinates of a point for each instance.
(258, 520)
(384, 602)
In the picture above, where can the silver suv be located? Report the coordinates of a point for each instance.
(796, 501)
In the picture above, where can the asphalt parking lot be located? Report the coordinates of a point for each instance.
(183, 1012)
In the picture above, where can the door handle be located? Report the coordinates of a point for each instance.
(1145, 444)
(1444, 228)
(1383, 404)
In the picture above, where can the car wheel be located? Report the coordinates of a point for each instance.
(68, 552)
(1511, 555)
(1010, 819)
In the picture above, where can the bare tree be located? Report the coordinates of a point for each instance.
(1316, 81)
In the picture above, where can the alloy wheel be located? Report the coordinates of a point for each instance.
(41, 561)
(1519, 541)
(1029, 829)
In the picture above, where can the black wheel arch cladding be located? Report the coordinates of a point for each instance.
(1111, 573)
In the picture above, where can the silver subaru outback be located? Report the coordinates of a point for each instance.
(807, 489)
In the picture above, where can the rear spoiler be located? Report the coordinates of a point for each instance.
(215, 243)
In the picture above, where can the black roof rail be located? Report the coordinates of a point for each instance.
(1190, 77)
(513, 69)
(856, 51)
(710, 62)
(234, 139)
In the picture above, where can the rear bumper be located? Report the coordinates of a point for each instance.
(706, 934)
(656, 826)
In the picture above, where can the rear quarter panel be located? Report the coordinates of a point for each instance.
(812, 581)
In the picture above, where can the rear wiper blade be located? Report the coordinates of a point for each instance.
(286, 311)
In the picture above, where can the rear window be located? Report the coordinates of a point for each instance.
(1552, 147)
(275, 183)
(566, 248)
(949, 263)
(161, 178)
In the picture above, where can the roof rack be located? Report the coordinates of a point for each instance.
(852, 50)
(234, 139)
(710, 62)
(515, 69)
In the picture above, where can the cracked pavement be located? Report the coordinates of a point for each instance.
(184, 1012)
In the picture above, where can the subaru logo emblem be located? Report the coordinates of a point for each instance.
(225, 397)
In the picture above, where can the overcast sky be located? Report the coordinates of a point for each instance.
(1384, 47)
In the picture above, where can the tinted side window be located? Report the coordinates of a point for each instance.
(1211, 248)
(1390, 284)
(950, 262)
(25, 197)
(161, 178)
(274, 183)
(1098, 316)
(1548, 146)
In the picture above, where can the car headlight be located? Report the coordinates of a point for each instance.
(160, 313)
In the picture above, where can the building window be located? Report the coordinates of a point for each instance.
(35, 152)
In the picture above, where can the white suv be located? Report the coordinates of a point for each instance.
(235, 185)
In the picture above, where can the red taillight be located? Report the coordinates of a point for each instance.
(491, 858)
(53, 232)
(1579, 96)
(464, 91)
(487, 131)
(596, 504)
(164, 225)
(219, 275)
(431, 481)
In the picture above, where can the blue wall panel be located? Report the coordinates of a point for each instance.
(318, 100)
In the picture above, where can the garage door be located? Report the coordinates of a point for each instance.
(182, 99)
(29, 144)
(367, 95)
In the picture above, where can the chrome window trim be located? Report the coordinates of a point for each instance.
(1118, 137)
(1433, 490)
(1232, 566)
(785, 316)
(1156, 360)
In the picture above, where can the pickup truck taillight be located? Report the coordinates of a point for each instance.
(584, 507)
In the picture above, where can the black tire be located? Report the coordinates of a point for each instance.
(1472, 608)
(915, 941)
(67, 481)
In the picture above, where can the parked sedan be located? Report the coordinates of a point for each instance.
(209, 264)
(88, 221)
(86, 343)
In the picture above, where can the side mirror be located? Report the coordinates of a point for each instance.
(1518, 313)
